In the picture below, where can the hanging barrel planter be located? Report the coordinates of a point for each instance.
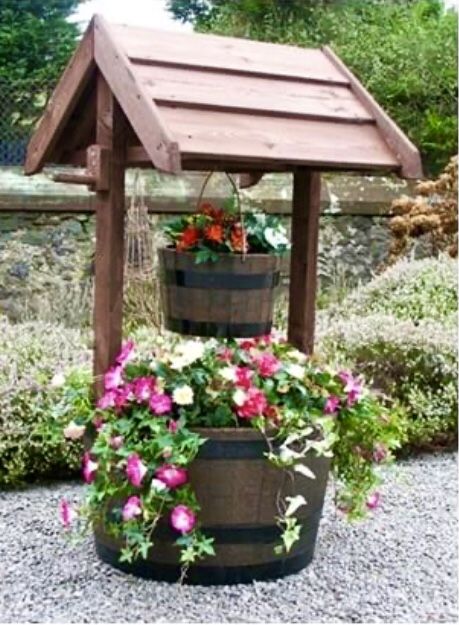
(221, 274)
(238, 491)
(233, 297)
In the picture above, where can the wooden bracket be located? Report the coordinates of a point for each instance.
(96, 174)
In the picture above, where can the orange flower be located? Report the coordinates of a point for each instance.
(189, 238)
(238, 238)
(209, 209)
(214, 233)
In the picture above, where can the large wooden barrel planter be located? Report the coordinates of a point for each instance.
(238, 491)
(232, 297)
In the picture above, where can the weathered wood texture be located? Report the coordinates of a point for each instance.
(303, 259)
(109, 259)
(137, 106)
(43, 144)
(238, 492)
(231, 298)
(198, 101)
(405, 151)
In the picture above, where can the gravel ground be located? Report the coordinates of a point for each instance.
(400, 566)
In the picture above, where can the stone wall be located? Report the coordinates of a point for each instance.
(46, 257)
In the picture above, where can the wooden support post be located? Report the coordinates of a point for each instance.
(303, 262)
(109, 257)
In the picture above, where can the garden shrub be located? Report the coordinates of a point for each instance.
(33, 357)
(410, 289)
(414, 363)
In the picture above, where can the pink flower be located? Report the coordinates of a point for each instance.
(332, 404)
(183, 519)
(172, 476)
(254, 405)
(247, 344)
(67, 513)
(172, 426)
(113, 378)
(123, 396)
(373, 501)
(143, 388)
(132, 508)
(379, 452)
(243, 377)
(352, 386)
(116, 441)
(160, 403)
(125, 354)
(135, 470)
(226, 354)
(89, 468)
(267, 365)
(107, 400)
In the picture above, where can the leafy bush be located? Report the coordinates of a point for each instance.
(416, 290)
(31, 441)
(416, 364)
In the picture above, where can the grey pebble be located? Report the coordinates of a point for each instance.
(398, 566)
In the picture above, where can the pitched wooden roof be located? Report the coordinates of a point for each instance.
(200, 101)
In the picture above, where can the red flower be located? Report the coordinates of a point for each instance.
(214, 233)
(189, 238)
(209, 209)
(254, 406)
(238, 238)
(244, 377)
(273, 414)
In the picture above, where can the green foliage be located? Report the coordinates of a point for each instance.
(416, 290)
(400, 331)
(32, 445)
(405, 52)
(36, 40)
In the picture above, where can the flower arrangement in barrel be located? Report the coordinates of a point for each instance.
(211, 231)
(144, 441)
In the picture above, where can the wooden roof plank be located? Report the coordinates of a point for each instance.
(61, 104)
(405, 150)
(235, 135)
(138, 107)
(227, 54)
(202, 89)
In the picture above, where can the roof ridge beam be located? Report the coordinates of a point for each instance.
(405, 151)
(138, 107)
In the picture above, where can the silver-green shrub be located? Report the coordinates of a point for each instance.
(414, 363)
(31, 440)
(410, 289)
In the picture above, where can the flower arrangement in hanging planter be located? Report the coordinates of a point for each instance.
(221, 270)
(148, 436)
(210, 232)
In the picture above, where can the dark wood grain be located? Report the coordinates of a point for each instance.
(109, 265)
(303, 259)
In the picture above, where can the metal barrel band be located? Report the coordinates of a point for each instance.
(219, 330)
(221, 281)
(209, 575)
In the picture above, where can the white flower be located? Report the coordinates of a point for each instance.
(229, 374)
(58, 380)
(74, 431)
(157, 485)
(276, 237)
(183, 395)
(186, 353)
(239, 397)
(296, 371)
(297, 355)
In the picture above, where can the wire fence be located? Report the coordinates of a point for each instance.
(21, 105)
